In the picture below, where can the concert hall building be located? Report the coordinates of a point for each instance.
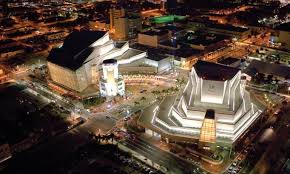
(213, 109)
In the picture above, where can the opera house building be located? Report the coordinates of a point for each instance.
(213, 109)
(76, 64)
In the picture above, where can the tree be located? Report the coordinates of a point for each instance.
(143, 98)
(111, 136)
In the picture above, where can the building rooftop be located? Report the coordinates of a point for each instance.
(284, 27)
(268, 68)
(185, 52)
(204, 40)
(171, 28)
(213, 71)
(156, 57)
(227, 27)
(79, 40)
(75, 49)
(228, 61)
(155, 32)
(167, 19)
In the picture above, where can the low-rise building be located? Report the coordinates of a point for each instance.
(152, 37)
(279, 71)
(55, 35)
(223, 29)
(284, 35)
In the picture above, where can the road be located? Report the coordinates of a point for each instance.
(173, 163)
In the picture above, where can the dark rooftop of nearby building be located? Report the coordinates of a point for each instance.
(227, 27)
(205, 40)
(169, 43)
(279, 70)
(185, 52)
(156, 57)
(154, 32)
(228, 61)
(284, 27)
(75, 49)
(214, 71)
(171, 28)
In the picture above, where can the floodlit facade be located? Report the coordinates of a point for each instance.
(76, 64)
(111, 83)
(213, 108)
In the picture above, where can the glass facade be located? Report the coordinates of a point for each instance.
(208, 133)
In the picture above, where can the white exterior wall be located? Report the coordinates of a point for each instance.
(102, 40)
(234, 112)
(63, 76)
(132, 59)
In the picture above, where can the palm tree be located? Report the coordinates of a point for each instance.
(98, 138)
(111, 136)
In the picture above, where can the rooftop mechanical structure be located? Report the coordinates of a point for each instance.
(213, 108)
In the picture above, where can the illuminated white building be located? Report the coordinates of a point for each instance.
(213, 108)
(111, 83)
(76, 64)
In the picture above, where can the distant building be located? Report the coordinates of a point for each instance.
(76, 64)
(55, 35)
(223, 29)
(7, 52)
(111, 82)
(230, 30)
(125, 24)
(152, 37)
(200, 40)
(279, 71)
(116, 13)
(284, 35)
(213, 109)
(121, 29)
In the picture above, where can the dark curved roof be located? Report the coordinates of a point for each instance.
(109, 61)
(75, 49)
(214, 71)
